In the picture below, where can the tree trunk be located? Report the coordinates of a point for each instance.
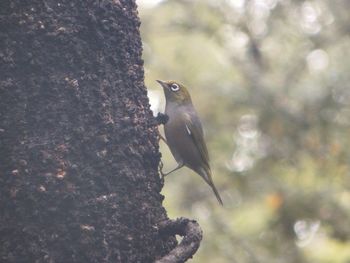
(78, 142)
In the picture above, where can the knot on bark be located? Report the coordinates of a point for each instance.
(192, 236)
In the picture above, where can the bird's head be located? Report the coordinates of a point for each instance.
(175, 92)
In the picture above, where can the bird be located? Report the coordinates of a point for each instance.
(184, 133)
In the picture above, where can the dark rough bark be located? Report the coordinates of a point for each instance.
(78, 144)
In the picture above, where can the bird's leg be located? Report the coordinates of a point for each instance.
(180, 165)
(162, 138)
(162, 119)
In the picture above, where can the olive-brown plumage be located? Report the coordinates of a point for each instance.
(184, 133)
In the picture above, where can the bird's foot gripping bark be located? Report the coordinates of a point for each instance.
(192, 236)
(162, 175)
(162, 118)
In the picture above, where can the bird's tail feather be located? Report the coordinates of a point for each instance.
(206, 174)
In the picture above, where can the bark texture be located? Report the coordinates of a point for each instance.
(78, 143)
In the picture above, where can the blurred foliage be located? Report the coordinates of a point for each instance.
(270, 79)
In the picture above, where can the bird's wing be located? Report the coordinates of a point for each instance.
(194, 130)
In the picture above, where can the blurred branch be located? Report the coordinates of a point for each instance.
(192, 234)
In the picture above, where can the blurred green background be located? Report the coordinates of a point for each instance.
(270, 80)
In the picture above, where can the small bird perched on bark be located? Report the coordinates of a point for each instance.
(184, 133)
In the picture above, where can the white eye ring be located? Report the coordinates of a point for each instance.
(174, 87)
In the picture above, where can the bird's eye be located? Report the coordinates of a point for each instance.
(174, 87)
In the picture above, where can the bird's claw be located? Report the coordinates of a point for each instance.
(161, 171)
(162, 118)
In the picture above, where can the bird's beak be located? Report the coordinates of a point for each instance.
(162, 83)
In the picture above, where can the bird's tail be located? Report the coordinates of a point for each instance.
(206, 174)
